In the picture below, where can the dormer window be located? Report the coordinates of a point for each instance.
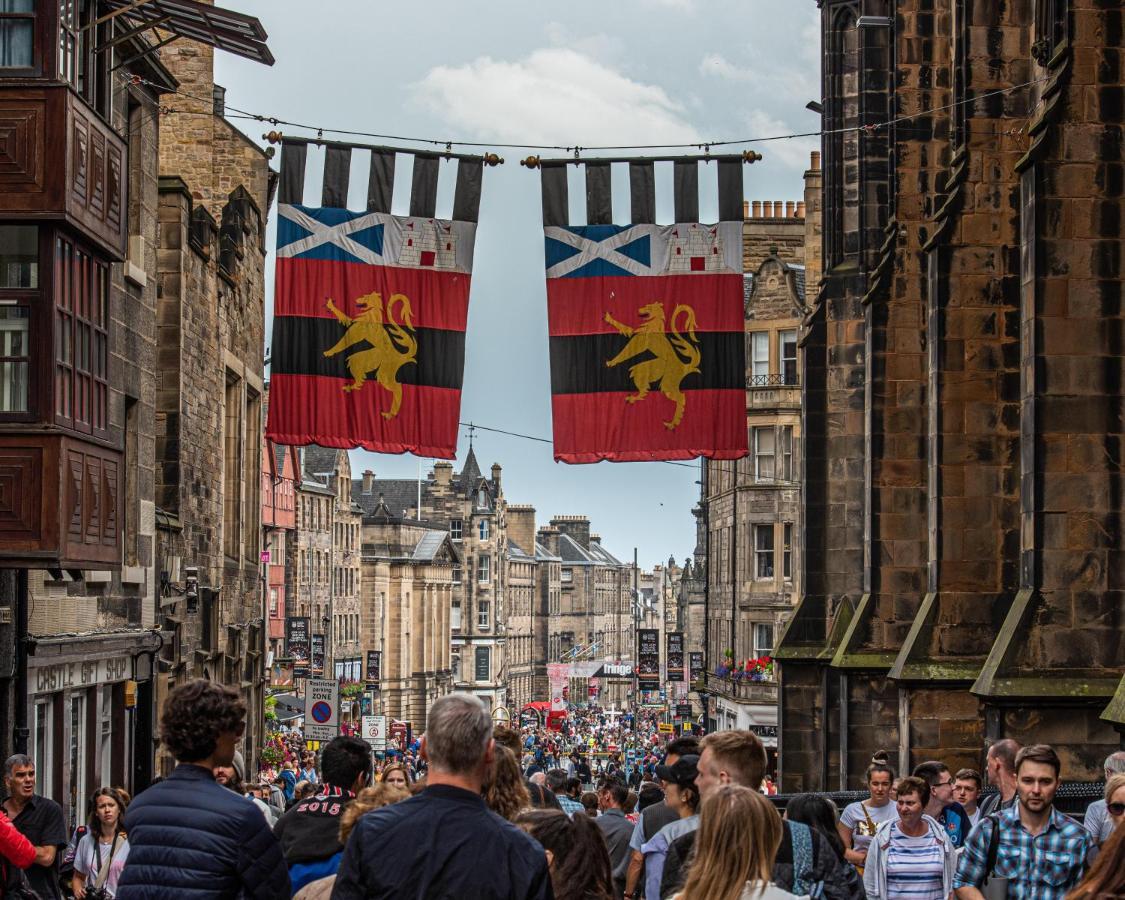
(482, 499)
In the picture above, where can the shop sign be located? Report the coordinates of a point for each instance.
(49, 679)
(648, 659)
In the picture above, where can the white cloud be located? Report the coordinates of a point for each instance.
(555, 95)
(793, 153)
(796, 81)
(717, 65)
(600, 46)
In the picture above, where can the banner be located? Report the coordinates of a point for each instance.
(368, 344)
(297, 644)
(674, 641)
(374, 669)
(557, 674)
(648, 659)
(646, 321)
(695, 663)
(317, 654)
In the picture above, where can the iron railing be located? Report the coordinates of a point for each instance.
(789, 380)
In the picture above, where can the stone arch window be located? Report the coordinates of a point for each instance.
(1052, 28)
(841, 144)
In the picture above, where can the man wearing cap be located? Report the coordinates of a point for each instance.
(682, 796)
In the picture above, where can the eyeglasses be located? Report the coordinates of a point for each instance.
(1116, 809)
(943, 784)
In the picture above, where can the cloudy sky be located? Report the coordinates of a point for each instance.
(580, 72)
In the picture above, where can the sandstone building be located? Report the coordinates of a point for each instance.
(527, 623)
(751, 508)
(279, 522)
(962, 552)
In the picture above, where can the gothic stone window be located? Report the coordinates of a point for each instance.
(841, 145)
(1051, 28)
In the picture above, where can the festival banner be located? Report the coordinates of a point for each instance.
(557, 675)
(646, 321)
(316, 655)
(374, 669)
(297, 644)
(695, 664)
(674, 641)
(368, 344)
(648, 659)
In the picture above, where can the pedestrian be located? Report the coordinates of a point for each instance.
(1098, 821)
(308, 770)
(654, 816)
(557, 782)
(16, 853)
(505, 791)
(1106, 877)
(913, 857)
(101, 852)
(444, 841)
(615, 827)
(288, 781)
(735, 848)
(682, 795)
(942, 808)
(38, 819)
(1041, 851)
(397, 775)
(805, 861)
(541, 796)
(590, 804)
(859, 820)
(1000, 768)
(189, 836)
(309, 832)
(374, 797)
(576, 854)
(819, 813)
(966, 791)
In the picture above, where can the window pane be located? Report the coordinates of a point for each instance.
(787, 347)
(13, 372)
(760, 354)
(19, 244)
(15, 43)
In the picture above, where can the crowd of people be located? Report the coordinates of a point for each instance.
(607, 808)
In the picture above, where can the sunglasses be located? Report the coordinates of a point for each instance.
(1116, 809)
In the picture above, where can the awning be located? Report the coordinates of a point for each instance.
(224, 29)
(288, 707)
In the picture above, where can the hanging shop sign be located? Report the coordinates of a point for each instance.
(674, 665)
(297, 645)
(648, 659)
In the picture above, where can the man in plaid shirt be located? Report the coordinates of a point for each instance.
(1040, 851)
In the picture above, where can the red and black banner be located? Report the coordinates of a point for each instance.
(646, 321)
(370, 309)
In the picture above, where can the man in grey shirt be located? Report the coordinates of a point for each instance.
(1098, 822)
(616, 828)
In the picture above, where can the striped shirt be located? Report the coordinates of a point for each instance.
(915, 866)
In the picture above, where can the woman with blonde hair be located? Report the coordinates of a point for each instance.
(504, 790)
(739, 833)
(398, 775)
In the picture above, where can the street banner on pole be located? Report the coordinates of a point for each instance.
(557, 674)
(297, 644)
(322, 709)
(675, 657)
(696, 665)
(317, 655)
(648, 659)
(374, 669)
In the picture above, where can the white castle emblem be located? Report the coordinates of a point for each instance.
(428, 244)
(695, 248)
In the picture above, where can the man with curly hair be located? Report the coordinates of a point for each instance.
(188, 835)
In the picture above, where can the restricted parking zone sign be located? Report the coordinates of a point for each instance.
(374, 730)
(322, 709)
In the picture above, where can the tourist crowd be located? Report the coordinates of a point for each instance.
(607, 808)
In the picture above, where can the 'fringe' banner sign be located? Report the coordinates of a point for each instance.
(370, 309)
(646, 320)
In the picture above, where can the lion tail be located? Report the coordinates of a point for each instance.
(402, 332)
(687, 348)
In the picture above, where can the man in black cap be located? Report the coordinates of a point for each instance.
(682, 796)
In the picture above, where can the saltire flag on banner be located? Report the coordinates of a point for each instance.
(646, 320)
(370, 308)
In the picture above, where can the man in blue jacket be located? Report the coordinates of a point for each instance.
(189, 837)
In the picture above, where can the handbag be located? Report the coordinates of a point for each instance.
(994, 887)
(22, 889)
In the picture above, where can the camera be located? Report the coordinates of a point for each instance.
(98, 893)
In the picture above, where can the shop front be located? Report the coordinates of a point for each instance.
(90, 715)
(760, 719)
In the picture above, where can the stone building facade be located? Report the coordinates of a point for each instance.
(751, 508)
(472, 509)
(309, 594)
(280, 466)
(527, 657)
(406, 603)
(963, 398)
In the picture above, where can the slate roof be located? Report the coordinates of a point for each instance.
(514, 551)
(429, 545)
(799, 273)
(318, 460)
(600, 554)
(398, 494)
(470, 474)
(571, 551)
(543, 553)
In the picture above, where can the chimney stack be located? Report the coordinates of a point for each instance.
(790, 209)
(496, 470)
(778, 209)
(767, 210)
(800, 209)
(521, 527)
(368, 480)
(443, 472)
(746, 209)
(549, 538)
(577, 528)
(814, 161)
(757, 209)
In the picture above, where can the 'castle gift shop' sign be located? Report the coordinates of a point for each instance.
(322, 705)
(49, 679)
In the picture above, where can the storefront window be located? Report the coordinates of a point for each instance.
(77, 756)
(107, 735)
(14, 358)
(17, 27)
(19, 245)
(44, 750)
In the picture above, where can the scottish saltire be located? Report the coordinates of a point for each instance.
(646, 320)
(370, 308)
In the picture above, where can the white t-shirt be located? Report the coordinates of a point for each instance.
(86, 861)
(854, 819)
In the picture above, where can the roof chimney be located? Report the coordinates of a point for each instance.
(746, 209)
(767, 210)
(443, 472)
(368, 480)
(757, 209)
(790, 208)
(800, 209)
(814, 161)
(521, 527)
(778, 209)
(496, 470)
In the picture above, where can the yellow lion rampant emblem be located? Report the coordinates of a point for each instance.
(674, 357)
(392, 342)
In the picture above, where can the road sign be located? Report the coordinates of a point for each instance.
(374, 731)
(322, 709)
(664, 727)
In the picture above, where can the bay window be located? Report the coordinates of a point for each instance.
(760, 357)
(763, 551)
(17, 34)
(81, 339)
(787, 354)
(764, 453)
